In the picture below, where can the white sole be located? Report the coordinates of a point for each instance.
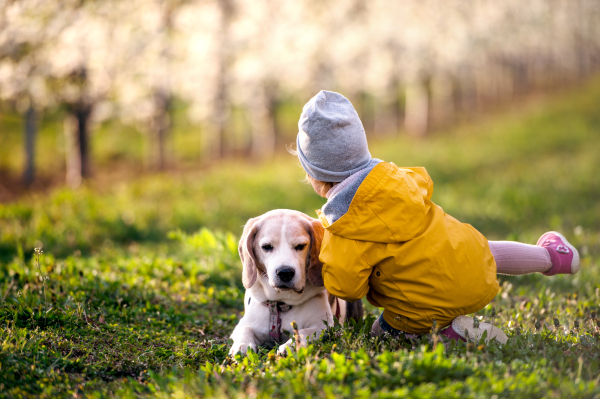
(463, 326)
(575, 263)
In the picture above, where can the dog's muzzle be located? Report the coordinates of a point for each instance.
(285, 274)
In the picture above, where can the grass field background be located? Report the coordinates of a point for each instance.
(139, 282)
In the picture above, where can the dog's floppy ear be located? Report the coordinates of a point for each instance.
(249, 272)
(313, 272)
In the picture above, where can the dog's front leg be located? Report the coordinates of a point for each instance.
(243, 338)
(304, 335)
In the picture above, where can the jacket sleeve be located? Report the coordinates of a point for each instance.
(345, 271)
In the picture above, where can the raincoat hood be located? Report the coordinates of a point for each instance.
(371, 217)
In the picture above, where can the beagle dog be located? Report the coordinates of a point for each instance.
(282, 276)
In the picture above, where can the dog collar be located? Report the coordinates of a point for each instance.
(275, 309)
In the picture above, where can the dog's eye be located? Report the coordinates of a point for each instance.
(300, 247)
(267, 247)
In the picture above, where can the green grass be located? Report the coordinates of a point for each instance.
(139, 283)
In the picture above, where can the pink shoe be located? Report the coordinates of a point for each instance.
(464, 326)
(449, 333)
(564, 256)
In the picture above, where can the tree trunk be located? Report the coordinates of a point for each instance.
(580, 41)
(417, 108)
(367, 113)
(398, 102)
(30, 133)
(160, 128)
(220, 110)
(220, 118)
(76, 139)
(520, 79)
(262, 119)
(385, 113)
(83, 119)
(442, 105)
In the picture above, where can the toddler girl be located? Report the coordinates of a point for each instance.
(385, 239)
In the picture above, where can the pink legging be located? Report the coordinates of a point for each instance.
(515, 258)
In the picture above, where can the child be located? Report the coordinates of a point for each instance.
(385, 239)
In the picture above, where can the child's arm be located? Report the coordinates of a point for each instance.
(345, 271)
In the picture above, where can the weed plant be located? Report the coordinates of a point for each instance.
(138, 286)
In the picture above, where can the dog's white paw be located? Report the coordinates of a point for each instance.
(241, 347)
(282, 350)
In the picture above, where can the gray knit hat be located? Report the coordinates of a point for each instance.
(331, 141)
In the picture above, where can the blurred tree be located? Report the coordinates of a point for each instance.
(59, 58)
(223, 61)
(154, 63)
(21, 72)
(79, 105)
(30, 137)
(255, 72)
(207, 46)
(81, 66)
(161, 86)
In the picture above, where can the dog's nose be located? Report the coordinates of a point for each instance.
(285, 274)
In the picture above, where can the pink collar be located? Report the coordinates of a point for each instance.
(275, 309)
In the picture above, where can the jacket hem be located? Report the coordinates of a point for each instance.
(390, 317)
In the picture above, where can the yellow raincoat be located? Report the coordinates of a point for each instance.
(408, 256)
